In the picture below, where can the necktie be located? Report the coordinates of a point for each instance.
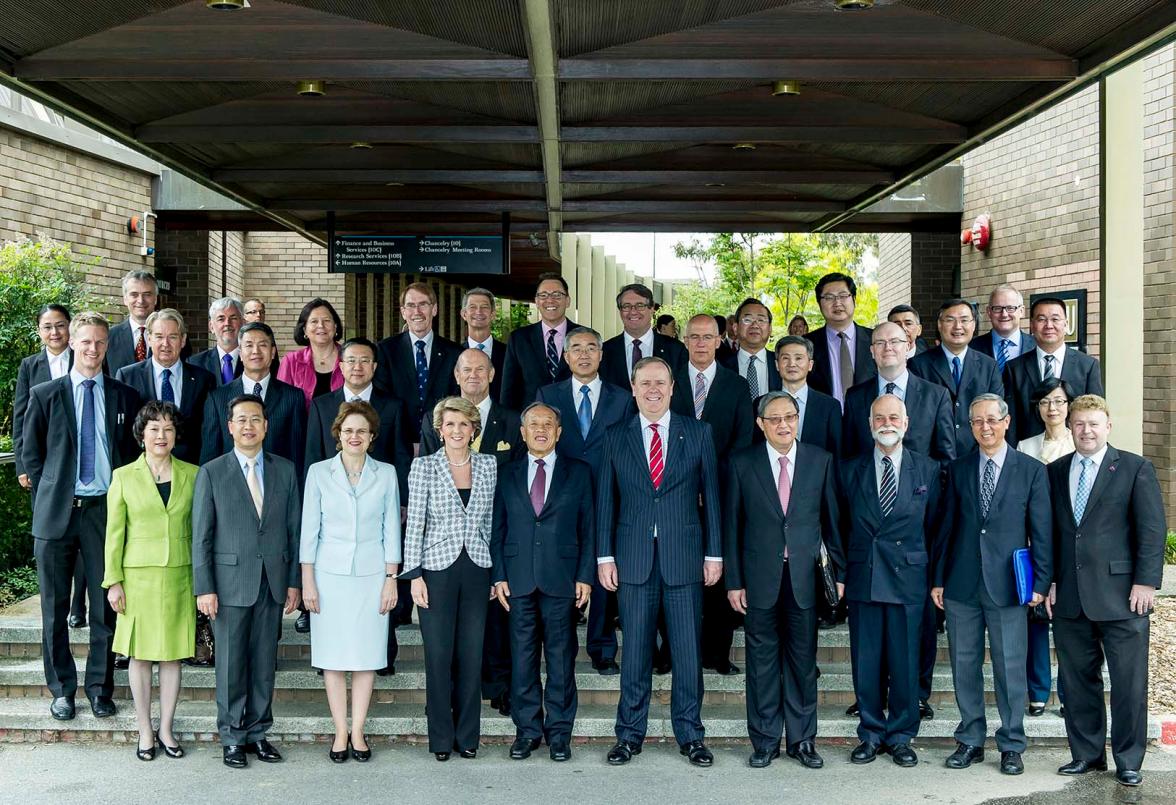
(890, 388)
(1002, 353)
(1049, 368)
(1082, 493)
(253, 484)
(226, 370)
(784, 486)
(636, 352)
(889, 489)
(584, 412)
(422, 370)
(552, 355)
(476, 444)
(88, 438)
(955, 371)
(482, 347)
(538, 486)
(753, 377)
(656, 460)
(846, 365)
(699, 395)
(141, 347)
(987, 486)
(166, 392)
(257, 390)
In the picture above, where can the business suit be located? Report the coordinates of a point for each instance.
(772, 555)
(658, 537)
(978, 375)
(195, 386)
(983, 343)
(285, 412)
(396, 374)
(931, 431)
(1023, 375)
(614, 357)
(209, 360)
(525, 367)
(1119, 542)
(66, 529)
(120, 348)
(821, 422)
(542, 556)
(887, 585)
(973, 565)
(249, 562)
(821, 377)
(773, 374)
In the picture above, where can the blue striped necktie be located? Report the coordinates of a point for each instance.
(1002, 353)
(889, 489)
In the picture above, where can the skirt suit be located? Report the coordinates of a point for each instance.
(149, 551)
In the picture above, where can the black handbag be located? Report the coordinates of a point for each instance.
(827, 580)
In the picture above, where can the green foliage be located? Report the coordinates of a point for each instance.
(506, 323)
(18, 584)
(33, 274)
(16, 540)
(1170, 549)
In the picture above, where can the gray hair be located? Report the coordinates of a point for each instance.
(650, 361)
(761, 406)
(138, 275)
(168, 314)
(1002, 407)
(1004, 286)
(224, 303)
(583, 331)
(881, 397)
(540, 404)
(465, 297)
(795, 341)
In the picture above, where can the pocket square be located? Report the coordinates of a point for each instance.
(920, 490)
(503, 446)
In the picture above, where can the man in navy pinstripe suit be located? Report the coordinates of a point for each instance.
(657, 543)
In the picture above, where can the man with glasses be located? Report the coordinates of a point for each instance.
(254, 310)
(1004, 341)
(129, 340)
(534, 352)
(638, 340)
(223, 359)
(842, 357)
(1050, 358)
(752, 361)
(477, 311)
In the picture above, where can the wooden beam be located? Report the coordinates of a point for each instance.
(728, 177)
(369, 176)
(718, 206)
(946, 134)
(262, 133)
(36, 68)
(410, 205)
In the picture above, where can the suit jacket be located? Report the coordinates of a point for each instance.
(396, 375)
(1120, 541)
(1022, 376)
(983, 343)
(141, 531)
(120, 348)
(889, 558)
(209, 361)
(196, 385)
(774, 381)
(821, 378)
(921, 345)
(614, 405)
(391, 445)
(33, 371)
(500, 436)
(50, 444)
(971, 550)
(822, 423)
(554, 549)
(683, 512)
(231, 544)
(725, 410)
(350, 531)
(524, 368)
(756, 532)
(497, 360)
(978, 375)
(286, 414)
(438, 525)
(615, 356)
(931, 432)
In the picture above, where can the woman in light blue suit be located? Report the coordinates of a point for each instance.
(350, 553)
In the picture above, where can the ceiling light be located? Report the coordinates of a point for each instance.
(716, 184)
(312, 89)
(393, 184)
(853, 5)
(786, 88)
(226, 5)
(359, 145)
(744, 146)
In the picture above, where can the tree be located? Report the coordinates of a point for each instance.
(507, 322)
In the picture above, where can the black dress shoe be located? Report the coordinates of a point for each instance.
(1036, 709)
(1082, 767)
(501, 704)
(728, 669)
(523, 746)
(234, 757)
(925, 711)
(468, 754)
(1128, 777)
(103, 707)
(361, 755)
(264, 750)
(441, 756)
(77, 621)
(826, 623)
(192, 662)
(121, 662)
(302, 622)
(661, 669)
(697, 753)
(560, 750)
(342, 755)
(175, 752)
(806, 753)
(387, 670)
(903, 755)
(863, 753)
(853, 710)
(964, 756)
(622, 753)
(62, 708)
(1010, 763)
(606, 667)
(762, 758)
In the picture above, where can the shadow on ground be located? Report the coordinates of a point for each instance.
(1159, 788)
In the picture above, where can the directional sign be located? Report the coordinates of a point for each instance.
(417, 254)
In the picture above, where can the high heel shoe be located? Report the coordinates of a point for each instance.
(341, 756)
(146, 754)
(176, 751)
(361, 755)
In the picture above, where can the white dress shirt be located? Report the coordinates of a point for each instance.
(412, 346)
(1076, 471)
(895, 459)
(548, 466)
(484, 411)
(58, 364)
(176, 379)
(646, 347)
(761, 367)
(594, 385)
(247, 385)
(1059, 358)
(801, 397)
(708, 377)
(364, 394)
(486, 346)
(220, 357)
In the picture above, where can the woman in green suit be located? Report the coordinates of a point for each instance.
(149, 570)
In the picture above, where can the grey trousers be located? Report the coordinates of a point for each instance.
(246, 660)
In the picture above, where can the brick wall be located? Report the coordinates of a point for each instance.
(920, 269)
(286, 270)
(182, 255)
(894, 270)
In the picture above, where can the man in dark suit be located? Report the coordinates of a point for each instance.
(715, 395)
(1050, 358)
(533, 352)
(996, 501)
(223, 359)
(593, 406)
(911, 323)
(77, 431)
(129, 339)
(964, 372)
(1108, 539)
(658, 541)
(842, 355)
(638, 339)
(752, 361)
(543, 549)
(780, 508)
(820, 414)
(725, 350)
(165, 377)
(417, 365)
(1005, 341)
(477, 311)
(891, 496)
(246, 520)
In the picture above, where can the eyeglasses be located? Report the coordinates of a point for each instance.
(749, 320)
(835, 297)
(774, 421)
(1056, 321)
(555, 296)
(50, 327)
(417, 305)
(952, 321)
(349, 432)
(1048, 403)
(893, 343)
(357, 361)
(634, 307)
(991, 422)
(999, 309)
(583, 349)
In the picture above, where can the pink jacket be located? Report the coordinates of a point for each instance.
(297, 369)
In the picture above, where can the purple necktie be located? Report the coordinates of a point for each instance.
(538, 486)
(227, 369)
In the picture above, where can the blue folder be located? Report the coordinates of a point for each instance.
(1023, 575)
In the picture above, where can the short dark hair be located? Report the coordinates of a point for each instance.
(751, 300)
(956, 302)
(53, 307)
(540, 404)
(1046, 300)
(1045, 388)
(664, 319)
(241, 399)
(894, 311)
(795, 341)
(637, 288)
(554, 276)
(360, 341)
(300, 327)
(836, 276)
(255, 326)
(722, 322)
(153, 411)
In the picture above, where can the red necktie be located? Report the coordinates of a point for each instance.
(656, 459)
(140, 347)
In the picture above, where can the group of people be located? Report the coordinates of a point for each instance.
(676, 490)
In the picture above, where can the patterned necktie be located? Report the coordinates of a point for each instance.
(656, 460)
(846, 365)
(89, 436)
(987, 486)
(784, 485)
(422, 370)
(1082, 493)
(1049, 368)
(166, 392)
(257, 391)
(227, 373)
(252, 482)
(890, 388)
(1002, 353)
(482, 347)
(552, 355)
(889, 489)
(141, 347)
(699, 395)
(752, 377)
(538, 486)
(636, 353)
(955, 371)
(584, 412)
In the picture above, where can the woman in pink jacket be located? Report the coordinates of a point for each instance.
(315, 367)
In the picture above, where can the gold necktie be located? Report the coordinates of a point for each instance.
(476, 444)
(252, 482)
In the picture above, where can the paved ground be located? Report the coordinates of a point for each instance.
(94, 774)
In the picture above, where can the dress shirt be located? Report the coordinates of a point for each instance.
(895, 459)
(594, 386)
(561, 332)
(1047, 450)
(774, 457)
(761, 367)
(833, 340)
(548, 465)
(646, 347)
(364, 394)
(412, 345)
(176, 379)
(900, 384)
(1076, 470)
(708, 376)
(963, 356)
(102, 465)
(801, 397)
(129, 322)
(487, 346)
(247, 385)
(484, 411)
(259, 469)
(1014, 351)
(58, 364)
(220, 358)
(1059, 358)
(998, 460)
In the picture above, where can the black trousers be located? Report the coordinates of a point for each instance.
(719, 621)
(77, 605)
(452, 629)
(602, 631)
(1082, 645)
(781, 670)
(496, 648)
(543, 623)
(400, 615)
(885, 637)
(82, 544)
